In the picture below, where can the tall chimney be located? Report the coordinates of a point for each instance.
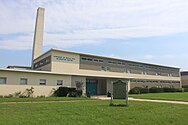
(38, 35)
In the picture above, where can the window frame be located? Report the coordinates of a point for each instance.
(59, 84)
(40, 83)
(23, 79)
(5, 80)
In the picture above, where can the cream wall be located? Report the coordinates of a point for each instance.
(184, 79)
(13, 82)
(38, 90)
(72, 67)
(64, 66)
(79, 79)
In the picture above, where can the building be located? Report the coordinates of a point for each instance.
(184, 78)
(91, 73)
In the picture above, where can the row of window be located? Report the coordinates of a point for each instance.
(113, 62)
(107, 68)
(154, 81)
(42, 62)
(24, 81)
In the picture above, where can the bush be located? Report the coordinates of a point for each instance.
(79, 93)
(61, 92)
(184, 86)
(155, 90)
(17, 94)
(23, 96)
(8, 96)
(179, 90)
(41, 96)
(144, 90)
(185, 89)
(166, 89)
(1, 96)
(135, 90)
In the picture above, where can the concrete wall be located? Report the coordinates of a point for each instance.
(184, 80)
(13, 82)
(80, 79)
(64, 62)
(72, 67)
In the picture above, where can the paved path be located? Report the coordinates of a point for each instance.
(161, 101)
(144, 100)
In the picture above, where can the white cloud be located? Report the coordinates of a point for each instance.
(71, 22)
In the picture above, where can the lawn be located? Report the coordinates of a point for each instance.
(180, 96)
(93, 112)
(42, 99)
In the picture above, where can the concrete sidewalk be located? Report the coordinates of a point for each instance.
(143, 100)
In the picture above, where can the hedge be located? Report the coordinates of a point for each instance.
(140, 90)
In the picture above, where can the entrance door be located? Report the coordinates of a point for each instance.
(91, 87)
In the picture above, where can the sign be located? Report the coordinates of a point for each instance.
(119, 90)
(64, 58)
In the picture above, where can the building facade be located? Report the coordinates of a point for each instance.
(91, 73)
(184, 78)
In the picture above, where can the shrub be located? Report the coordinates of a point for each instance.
(184, 86)
(155, 90)
(185, 89)
(72, 94)
(79, 93)
(17, 94)
(166, 89)
(144, 90)
(8, 96)
(23, 96)
(28, 92)
(135, 90)
(61, 92)
(1, 96)
(179, 90)
(41, 96)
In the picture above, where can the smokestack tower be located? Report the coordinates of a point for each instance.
(38, 35)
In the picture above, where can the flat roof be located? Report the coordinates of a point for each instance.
(57, 73)
(107, 57)
(184, 73)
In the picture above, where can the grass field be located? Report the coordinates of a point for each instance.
(42, 99)
(182, 96)
(93, 112)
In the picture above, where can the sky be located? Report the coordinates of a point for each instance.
(151, 31)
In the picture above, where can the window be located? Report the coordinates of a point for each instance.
(23, 81)
(101, 61)
(96, 60)
(59, 82)
(89, 59)
(84, 58)
(3, 80)
(42, 82)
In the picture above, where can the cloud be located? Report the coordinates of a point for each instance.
(72, 23)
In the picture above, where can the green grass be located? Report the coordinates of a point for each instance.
(93, 112)
(180, 96)
(42, 99)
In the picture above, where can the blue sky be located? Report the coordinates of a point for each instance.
(142, 30)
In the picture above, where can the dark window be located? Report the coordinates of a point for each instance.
(23, 81)
(89, 59)
(101, 61)
(59, 82)
(3, 80)
(42, 81)
(83, 58)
